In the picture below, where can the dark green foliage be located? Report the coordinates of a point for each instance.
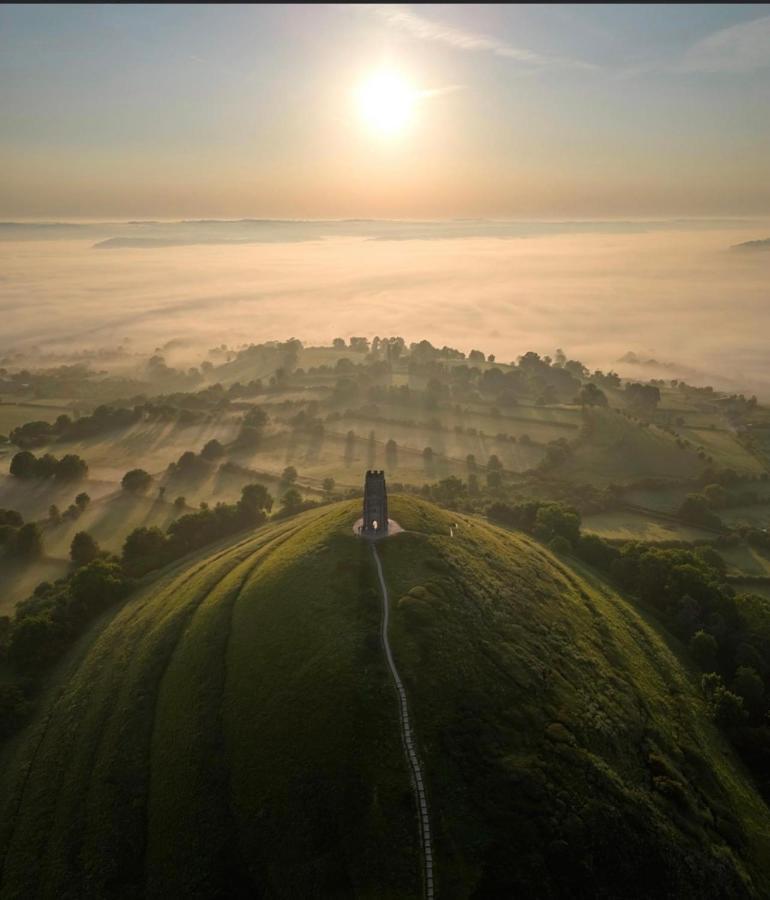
(289, 475)
(748, 685)
(704, 648)
(11, 517)
(23, 465)
(213, 450)
(591, 395)
(146, 549)
(83, 549)
(143, 550)
(136, 481)
(69, 468)
(28, 542)
(35, 641)
(13, 708)
(291, 500)
(82, 500)
(545, 520)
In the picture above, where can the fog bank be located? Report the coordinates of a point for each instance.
(672, 293)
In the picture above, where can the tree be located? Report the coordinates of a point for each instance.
(23, 464)
(71, 468)
(289, 475)
(82, 500)
(552, 519)
(704, 648)
(494, 464)
(83, 549)
(339, 343)
(136, 481)
(143, 549)
(255, 500)
(716, 496)
(328, 485)
(591, 395)
(54, 515)
(35, 641)
(180, 503)
(391, 453)
(748, 685)
(29, 542)
(727, 708)
(291, 500)
(213, 450)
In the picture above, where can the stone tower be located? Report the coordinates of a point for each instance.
(375, 504)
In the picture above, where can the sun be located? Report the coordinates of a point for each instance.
(386, 102)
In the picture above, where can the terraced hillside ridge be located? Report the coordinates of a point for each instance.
(231, 731)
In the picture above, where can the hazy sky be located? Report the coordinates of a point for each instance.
(143, 111)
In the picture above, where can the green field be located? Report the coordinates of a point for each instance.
(620, 450)
(231, 731)
(632, 526)
(757, 515)
(722, 445)
(15, 413)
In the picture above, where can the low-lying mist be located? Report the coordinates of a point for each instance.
(673, 292)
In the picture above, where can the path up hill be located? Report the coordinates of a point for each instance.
(232, 731)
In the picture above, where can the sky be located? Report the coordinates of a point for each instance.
(533, 111)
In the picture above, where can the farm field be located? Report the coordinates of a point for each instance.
(632, 526)
(618, 450)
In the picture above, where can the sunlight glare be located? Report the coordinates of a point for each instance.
(386, 102)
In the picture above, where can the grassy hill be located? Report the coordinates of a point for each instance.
(231, 731)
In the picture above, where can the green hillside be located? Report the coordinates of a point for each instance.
(231, 731)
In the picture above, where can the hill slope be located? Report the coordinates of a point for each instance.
(232, 731)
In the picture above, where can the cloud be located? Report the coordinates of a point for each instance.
(405, 19)
(739, 48)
